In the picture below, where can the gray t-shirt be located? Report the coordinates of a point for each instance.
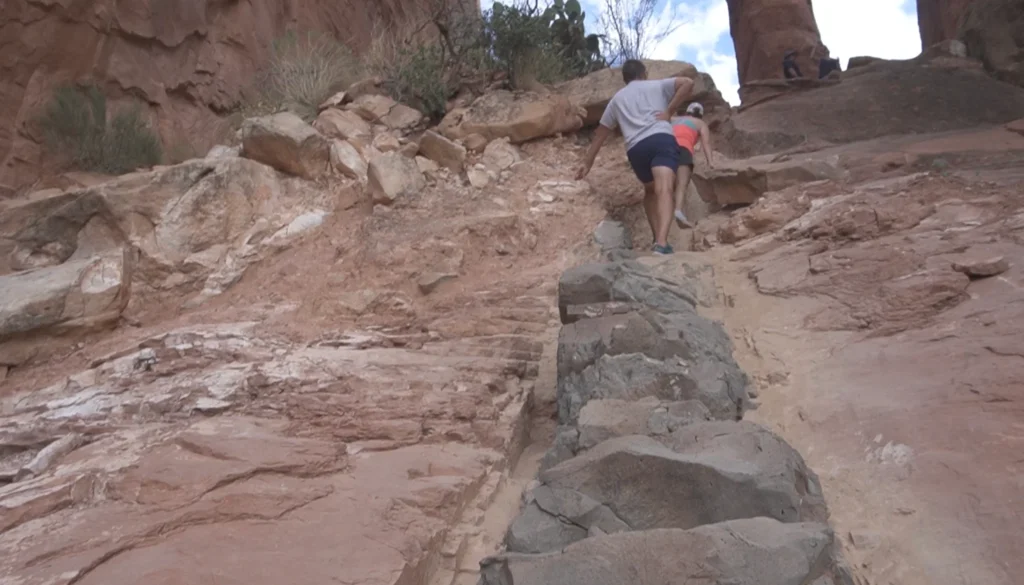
(634, 107)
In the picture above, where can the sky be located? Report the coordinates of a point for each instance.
(849, 28)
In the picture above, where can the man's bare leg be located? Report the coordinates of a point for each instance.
(664, 181)
(682, 184)
(651, 207)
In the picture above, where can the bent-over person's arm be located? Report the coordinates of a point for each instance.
(683, 88)
(600, 137)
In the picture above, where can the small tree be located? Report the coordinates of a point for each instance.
(631, 29)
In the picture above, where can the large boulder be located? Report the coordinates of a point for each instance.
(516, 116)
(763, 30)
(203, 221)
(392, 176)
(625, 281)
(758, 551)
(940, 20)
(286, 143)
(993, 31)
(443, 151)
(701, 474)
(85, 292)
(600, 420)
(717, 384)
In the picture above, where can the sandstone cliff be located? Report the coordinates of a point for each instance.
(187, 59)
(939, 20)
(763, 30)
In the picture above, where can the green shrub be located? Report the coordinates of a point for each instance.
(304, 70)
(419, 78)
(548, 45)
(75, 126)
(422, 62)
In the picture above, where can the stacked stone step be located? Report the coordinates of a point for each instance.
(654, 477)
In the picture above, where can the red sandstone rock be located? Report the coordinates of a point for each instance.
(939, 20)
(763, 30)
(187, 60)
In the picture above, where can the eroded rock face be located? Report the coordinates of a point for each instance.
(940, 20)
(186, 61)
(84, 292)
(763, 30)
(200, 223)
(992, 31)
(670, 356)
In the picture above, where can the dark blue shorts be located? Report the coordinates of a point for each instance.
(657, 150)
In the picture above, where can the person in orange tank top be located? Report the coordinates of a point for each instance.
(689, 131)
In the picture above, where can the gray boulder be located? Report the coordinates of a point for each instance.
(627, 281)
(601, 420)
(634, 376)
(758, 551)
(682, 344)
(701, 474)
(288, 144)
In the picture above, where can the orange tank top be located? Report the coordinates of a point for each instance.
(687, 132)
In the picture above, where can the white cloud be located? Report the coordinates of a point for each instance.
(879, 28)
(704, 24)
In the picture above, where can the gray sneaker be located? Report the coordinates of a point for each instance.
(681, 220)
(662, 250)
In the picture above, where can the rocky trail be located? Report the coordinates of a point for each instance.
(462, 367)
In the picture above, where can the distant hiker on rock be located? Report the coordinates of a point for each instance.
(689, 130)
(789, 67)
(643, 109)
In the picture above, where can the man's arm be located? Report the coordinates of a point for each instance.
(600, 136)
(705, 139)
(684, 87)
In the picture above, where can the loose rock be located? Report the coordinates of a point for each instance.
(443, 151)
(286, 143)
(983, 268)
(392, 176)
(347, 160)
(342, 125)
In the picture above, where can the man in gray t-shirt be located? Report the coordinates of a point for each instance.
(642, 110)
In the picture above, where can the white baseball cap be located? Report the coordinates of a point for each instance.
(695, 108)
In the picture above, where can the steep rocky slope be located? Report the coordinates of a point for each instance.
(439, 360)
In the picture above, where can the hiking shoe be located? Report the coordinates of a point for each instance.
(662, 250)
(681, 220)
